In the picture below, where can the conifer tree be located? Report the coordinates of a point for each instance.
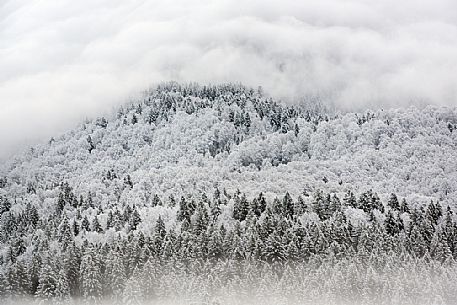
(134, 219)
(288, 205)
(215, 242)
(156, 201)
(115, 276)
(259, 205)
(404, 206)
(300, 207)
(65, 236)
(133, 293)
(62, 292)
(91, 287)
(393, 202)
(5, 288)
(240, 208)
(48, 281)
(393, 224)
(96, 227)
(201, 219)
(71, 265)
(85, 224)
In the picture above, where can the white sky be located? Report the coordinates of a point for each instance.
(61, 60)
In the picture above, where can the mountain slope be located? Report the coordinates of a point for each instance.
(181, 139)
(202, 194)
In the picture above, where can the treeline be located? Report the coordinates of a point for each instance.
(70, 255)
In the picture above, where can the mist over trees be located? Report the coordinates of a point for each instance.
(219, 194)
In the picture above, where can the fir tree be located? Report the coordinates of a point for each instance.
(393, 202)
(96, 227)
(240, 208)
(85, 224)
(115, 276)
(259, 205)
(48, 281)
(134, 219)
(288, 205)
(91, 287)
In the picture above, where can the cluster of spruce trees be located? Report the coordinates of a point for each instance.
(231, 102)
(62, 256)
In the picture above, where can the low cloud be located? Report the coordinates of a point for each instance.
(63, 60)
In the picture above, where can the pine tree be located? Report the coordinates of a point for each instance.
(150, 276)
(159, 236)
(65, 236)
(134, 119)
(201, 219)
(321, 204)
(62, 292)
(450, 231)
(240, 208)
(300, 207)
(364, 202)
(91, 287)
(296, 130)
(275, 250)
(184, 211)
(5, 288)
(91, 144)
(133, 293)
(156, 201)
(440, 249)
(335, 204)
(85, 224)
(110, 220)
(393, 202)
(19, 279)
(393, 223)
(115, 276)
(96, 227)
(5, 205)
(48, 281)
(134, 220)
(32, 215)
(215, 243)
(288, 205)
(259, 205)
(416, 242)
(404, 206)
(71, 264)
(434, 212)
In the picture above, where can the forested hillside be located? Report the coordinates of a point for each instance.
(220, 194)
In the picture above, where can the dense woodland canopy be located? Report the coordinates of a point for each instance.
(221, 188)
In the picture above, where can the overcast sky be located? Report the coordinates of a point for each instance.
(61, 61)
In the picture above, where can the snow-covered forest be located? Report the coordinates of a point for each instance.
(221, 195)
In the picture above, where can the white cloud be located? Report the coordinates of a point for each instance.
(63, 60)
